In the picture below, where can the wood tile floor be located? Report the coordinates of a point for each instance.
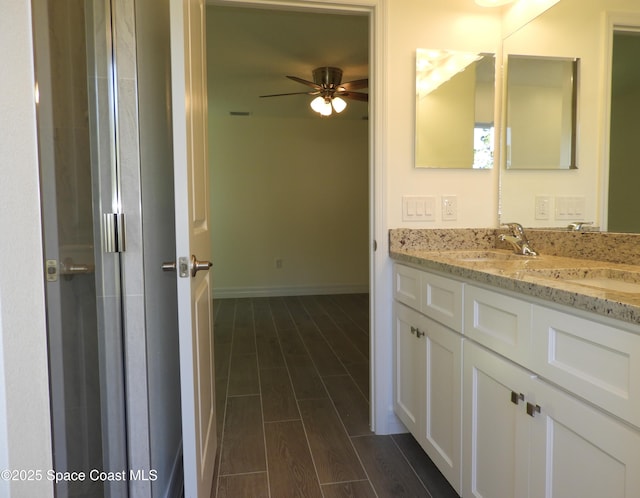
(292, 379)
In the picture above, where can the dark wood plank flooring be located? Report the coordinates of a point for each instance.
(292, 387)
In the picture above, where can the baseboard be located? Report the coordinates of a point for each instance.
(238, 292)
(176, 481)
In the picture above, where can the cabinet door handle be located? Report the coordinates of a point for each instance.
(413, 330)
(532, 409)
(516, 397)
(419, 333)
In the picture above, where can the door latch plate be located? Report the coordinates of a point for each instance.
(51, 270)
(183, 267)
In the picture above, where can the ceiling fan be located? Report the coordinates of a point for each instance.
(329, 90)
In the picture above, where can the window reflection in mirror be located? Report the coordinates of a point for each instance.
(541, 112)
(454, 109)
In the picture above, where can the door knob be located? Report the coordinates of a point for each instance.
(169, 266)
(196, 265)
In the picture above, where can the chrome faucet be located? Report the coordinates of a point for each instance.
(578, 226)
(518, 240)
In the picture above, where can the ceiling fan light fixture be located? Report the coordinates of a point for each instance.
(338, 104)
(321, 105)
(317, 104)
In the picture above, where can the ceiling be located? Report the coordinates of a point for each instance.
(251, 50)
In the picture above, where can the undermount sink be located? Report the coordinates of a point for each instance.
(483, 256)
(600, 278)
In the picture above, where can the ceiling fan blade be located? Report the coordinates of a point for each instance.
(295, 93)
(355, 84)
(305, 82)
(363, 97)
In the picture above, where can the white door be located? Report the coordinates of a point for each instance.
(189, 99)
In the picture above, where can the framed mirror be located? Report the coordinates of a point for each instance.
(541, 112)
(455, 95)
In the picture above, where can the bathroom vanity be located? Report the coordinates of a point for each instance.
(518, 375)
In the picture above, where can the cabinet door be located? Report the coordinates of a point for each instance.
(409, 369)
(577, 450)
(496, 432)
(442, 424)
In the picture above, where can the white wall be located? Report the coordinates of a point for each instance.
(24, 393)
(413, 24)
(290, 189)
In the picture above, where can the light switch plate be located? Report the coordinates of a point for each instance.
(418, 208)
(570, 208)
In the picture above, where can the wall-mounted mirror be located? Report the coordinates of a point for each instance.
(541, 103)
(552, 198)
(454, 109)
(575, 28)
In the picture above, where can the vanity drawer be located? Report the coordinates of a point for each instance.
(406, 285)
(598, 362)
(441, 299)
(499, 322)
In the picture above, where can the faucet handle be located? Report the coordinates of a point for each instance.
(516, 228)
(578, 225)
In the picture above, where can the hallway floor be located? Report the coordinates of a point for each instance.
(292, 380)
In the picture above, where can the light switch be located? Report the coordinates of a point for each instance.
(418, 208)
(570, 208)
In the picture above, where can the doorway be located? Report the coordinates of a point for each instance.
(290, 190)
(625, 106)
(78, 176)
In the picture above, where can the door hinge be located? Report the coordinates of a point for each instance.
(113, 239)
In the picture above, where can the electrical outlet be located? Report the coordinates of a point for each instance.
(449, 208)
(543, 207)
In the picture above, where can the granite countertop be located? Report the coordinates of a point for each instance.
(549, 277)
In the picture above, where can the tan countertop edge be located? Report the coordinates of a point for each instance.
(619, 306)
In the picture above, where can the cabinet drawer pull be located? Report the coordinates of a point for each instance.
(532, 409)
(516, 397)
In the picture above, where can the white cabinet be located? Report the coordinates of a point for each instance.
(428, 369)
(534, 402)
(495, 432)
(502, 323)
(524, 438)
(596, 361)
(578, 450)
(409, 361)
